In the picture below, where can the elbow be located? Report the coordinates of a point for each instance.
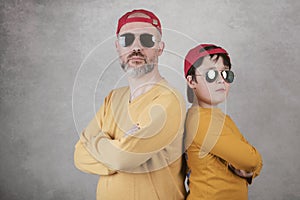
(250, 167)
(78, 165)
(77, 161)
(251, 164)
(80, 158)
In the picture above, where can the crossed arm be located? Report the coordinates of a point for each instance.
(232, 147)
(98, 153)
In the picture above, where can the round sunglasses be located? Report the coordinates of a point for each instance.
(212, 75)
(147, 40)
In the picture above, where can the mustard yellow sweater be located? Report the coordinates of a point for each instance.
(213, 141)
(136, 146)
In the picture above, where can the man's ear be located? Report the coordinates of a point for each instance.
(191, 83)
(161, 46)
(117, 45)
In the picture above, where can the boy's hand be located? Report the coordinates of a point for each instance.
(240, 172)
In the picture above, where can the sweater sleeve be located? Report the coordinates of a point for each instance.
(84, 159)
(87, 163)
(218, 136)
(256, 172)
(166, 115)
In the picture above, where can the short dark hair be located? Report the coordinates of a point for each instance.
(226, 60)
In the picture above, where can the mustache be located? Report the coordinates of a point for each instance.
(136, 53)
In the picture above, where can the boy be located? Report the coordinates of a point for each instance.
(221, 162)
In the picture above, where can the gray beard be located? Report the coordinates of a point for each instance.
(137, 72)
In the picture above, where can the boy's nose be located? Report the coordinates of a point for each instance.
(220, 78)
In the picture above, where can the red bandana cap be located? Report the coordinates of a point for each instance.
(194, 54)
(152, 20)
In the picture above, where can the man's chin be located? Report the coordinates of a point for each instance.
(138, 71)
(135, 64)
(131, 66)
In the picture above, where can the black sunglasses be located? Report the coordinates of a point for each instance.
(147, 40)
(212, 75)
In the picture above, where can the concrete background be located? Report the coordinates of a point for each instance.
(58, 62)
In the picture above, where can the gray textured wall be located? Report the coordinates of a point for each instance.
(58, 62)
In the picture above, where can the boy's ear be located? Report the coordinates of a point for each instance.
(191, 83)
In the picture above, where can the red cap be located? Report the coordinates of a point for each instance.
(194, 54)
(152, 20)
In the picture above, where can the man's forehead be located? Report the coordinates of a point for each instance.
(139, 15)
(138, 27)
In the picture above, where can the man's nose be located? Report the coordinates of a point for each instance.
(136, 45)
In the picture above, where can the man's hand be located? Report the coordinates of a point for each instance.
(133, 129)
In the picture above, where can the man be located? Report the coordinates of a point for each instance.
(135, 140)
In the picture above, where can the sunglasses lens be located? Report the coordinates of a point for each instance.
(228, 76)
(211, 75)
(147, 40)
(126, 39)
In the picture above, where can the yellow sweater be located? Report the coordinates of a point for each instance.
(213, 141)
(136, 146)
